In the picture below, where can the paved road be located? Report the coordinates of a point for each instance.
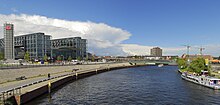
(27, 81)
(16, 84)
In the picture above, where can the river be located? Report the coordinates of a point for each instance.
(147, 85)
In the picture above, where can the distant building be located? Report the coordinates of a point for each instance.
(9, 41)
(192, 57)
(74, 47)
(170, 57)
(156, 51)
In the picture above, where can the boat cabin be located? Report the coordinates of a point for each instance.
(206, 73)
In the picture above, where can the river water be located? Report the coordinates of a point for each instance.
(148, 85)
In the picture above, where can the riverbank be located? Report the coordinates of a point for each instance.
(27, 93)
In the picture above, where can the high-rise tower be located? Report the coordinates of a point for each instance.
(9, 40)
(156, 51)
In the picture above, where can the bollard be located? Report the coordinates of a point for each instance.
(96, 71)
(75, 72)
(49, 91)
(76, 75)
(49, 87)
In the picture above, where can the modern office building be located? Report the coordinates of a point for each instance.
(37, 45)
(65, 47)
(156, 51)
(9, 41)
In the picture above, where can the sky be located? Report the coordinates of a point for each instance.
(121, 27)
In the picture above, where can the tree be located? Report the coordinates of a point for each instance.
(1, 56)
(79, 58)
(197, 65)
(45, 58)
(182, 63)
(59, 58)
(93, 58)
(87, 58)
(27, 56)
(69, 58)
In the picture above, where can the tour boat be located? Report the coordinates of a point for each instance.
(203, 80)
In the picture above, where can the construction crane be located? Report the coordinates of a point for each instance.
(201, 49)
(188, 48)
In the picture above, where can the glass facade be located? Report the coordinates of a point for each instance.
(65, 47)
(38, 45)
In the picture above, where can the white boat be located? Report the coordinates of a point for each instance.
(160, 65)
(203, 80)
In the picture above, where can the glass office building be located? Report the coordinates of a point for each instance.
(38, 45)
(74, 47)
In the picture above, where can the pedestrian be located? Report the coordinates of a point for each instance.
(48, 75)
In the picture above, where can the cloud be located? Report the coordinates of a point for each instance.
(134, 49)
(102, 38)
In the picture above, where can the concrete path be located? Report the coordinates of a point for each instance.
(33, 74)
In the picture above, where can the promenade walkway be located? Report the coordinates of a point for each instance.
(38, 77)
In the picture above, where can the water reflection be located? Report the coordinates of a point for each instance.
(142, 85)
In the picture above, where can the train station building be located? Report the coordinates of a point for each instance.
(38, 45)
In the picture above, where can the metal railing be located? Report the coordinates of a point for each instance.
(19, 66)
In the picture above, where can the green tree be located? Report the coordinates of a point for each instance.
(182, 63)
(1, 56)
(197, 65)
(69, 58)
(27, 56)
(87, 58)
(59, 58)
(45, 58)
(93, 58)
(79, 58)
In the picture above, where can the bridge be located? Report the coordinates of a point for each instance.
(153, 62)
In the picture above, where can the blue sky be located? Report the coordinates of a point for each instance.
(164, 23)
